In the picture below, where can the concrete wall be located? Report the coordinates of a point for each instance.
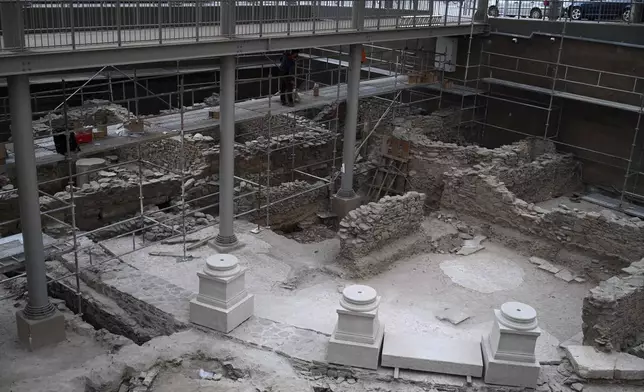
(572, 123)
(613, 312)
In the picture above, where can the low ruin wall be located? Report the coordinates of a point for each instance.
(476, 193)
(613, 312)
(373, 225)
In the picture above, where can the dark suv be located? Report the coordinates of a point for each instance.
(600, 10)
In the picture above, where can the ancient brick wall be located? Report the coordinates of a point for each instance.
(373, 225)
(613, 312)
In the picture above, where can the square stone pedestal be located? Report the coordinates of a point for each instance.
(220, 319)
(222, 303)
(499, 372)
(38, 333)
(509, 349)
(342, 205)
(358, 335)
(363, 355)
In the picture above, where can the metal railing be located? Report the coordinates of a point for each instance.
(74, 24)
(619, 11)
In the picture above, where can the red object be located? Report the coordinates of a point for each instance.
(546, 3)
(83, 136)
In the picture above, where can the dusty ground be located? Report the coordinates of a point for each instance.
(298, 284)
(17, 364)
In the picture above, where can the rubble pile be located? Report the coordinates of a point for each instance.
(92, 112)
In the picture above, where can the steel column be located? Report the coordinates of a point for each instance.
(226, 236)
(357, 15)
(481, 11)
(38, 306)
(351, 121)
(12, 25)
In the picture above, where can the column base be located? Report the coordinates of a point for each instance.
(510, 373)
(342, 205)
(225, 246)
(42, 332)
(220, 319)
(342, 352)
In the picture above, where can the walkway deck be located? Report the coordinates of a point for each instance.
(168, 125)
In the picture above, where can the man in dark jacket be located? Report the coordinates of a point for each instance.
(286, 72)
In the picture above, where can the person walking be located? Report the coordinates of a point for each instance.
(286, 72)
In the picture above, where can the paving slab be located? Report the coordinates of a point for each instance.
(590, 363)
(432, 354)
(565, 275)
(452, 315)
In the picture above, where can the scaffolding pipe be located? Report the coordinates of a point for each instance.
(38, 306)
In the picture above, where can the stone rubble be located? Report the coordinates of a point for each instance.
(92, 112)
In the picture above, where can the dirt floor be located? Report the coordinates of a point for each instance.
(17, 364)
(298, 284)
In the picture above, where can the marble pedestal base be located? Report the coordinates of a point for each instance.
(220, 319)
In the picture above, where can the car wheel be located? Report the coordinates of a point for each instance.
(493, 12)
(535, 13)
(626, 15)
(575, 13)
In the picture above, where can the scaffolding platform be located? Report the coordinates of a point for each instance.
(168, 125)
(563, 94)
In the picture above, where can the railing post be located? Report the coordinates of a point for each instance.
(71, 23)
(13, 29)
(261, 18)
(197, 18)
(357, 15)
(481, 11)
(637, 6)
(228, 18)
(118, 22)
(160, 21)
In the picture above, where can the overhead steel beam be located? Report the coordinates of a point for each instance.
(43, 61)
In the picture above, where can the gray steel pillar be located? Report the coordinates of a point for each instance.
(12, 25)
(636, 11)
(226, 236)
(39, 323)
(357, 15)
(228, 17)
(23, 144)
(481, 11)
(351, 121)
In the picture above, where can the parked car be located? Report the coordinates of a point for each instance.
(511, 8)
(600, 10)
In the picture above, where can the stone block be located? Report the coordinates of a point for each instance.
(39, 333)
(432, 354)
(590, 363)
(341, 206)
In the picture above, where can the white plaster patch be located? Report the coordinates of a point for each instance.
(485, 273)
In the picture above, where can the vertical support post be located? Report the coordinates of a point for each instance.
(228, 17)
(38, 323)
(637, 7)
(357, 15)
(481, 11)
(346, 199)
(13, 31)
(226, 237)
